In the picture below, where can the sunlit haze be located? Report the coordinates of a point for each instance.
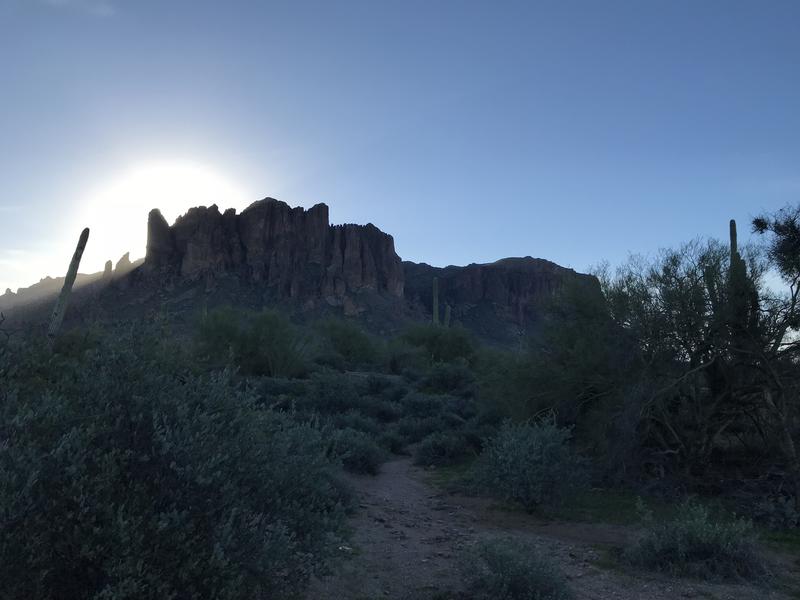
(114, 211)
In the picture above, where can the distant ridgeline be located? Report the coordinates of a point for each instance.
(271, 253)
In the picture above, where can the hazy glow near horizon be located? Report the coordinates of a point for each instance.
(116, 212)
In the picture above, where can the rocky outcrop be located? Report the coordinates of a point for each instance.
(292, 252)
(108, 271)
(125, 266)
(505, 295)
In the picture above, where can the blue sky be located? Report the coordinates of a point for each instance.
(573, 131)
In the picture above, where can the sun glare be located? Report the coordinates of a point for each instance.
(117, 211)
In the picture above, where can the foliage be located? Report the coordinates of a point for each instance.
(778, 513)
(392, 441)
(531, 463)
(414, 429)
(353, 419)
(505, 382)
(694, 544)
(697, 373)
(441, 449)
(124, 475)
(347, 340)
(509, 569)
(449, 378)
(441, 344)
(357, 450)
(404, 358)
(264, 343)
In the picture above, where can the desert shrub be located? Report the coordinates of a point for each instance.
(402, 358)
(442, 448)
(330, 360)
(441, 344)
(508, 569)
(414, 429)
(278, 392)
(347, 340)
(421, 405)
(384, 411)
(394, 392)
(532, 464)
(264, 343)
(378, 384)
(353, 419)
(74, 342)
(777, 512)
(480, 428)
(358, 451)
(505, 384)
(454, 378)
(330, 392)
(125, 476)
(392, 441)
(696, 545)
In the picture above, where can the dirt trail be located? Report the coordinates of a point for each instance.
(408, 537)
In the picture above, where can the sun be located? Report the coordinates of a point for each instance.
(116, 212)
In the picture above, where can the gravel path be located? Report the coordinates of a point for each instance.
(408, 537)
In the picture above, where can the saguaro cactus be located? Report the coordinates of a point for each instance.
(63, 298)
(435, 300)
(447, 315)
(743, 301)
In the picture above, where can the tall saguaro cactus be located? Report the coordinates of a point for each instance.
(63, 298)
(435, 300)
(743, 302)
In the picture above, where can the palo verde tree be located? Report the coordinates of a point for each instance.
(777, 351)
(689, 312)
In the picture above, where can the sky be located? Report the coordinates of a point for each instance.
(577, 131)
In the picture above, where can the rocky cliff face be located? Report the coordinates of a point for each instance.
(294, 253)
(498, 300)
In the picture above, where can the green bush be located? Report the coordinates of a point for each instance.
(347, 340)
(441, 449)
(404, 358)
(264, 343)
(420, 405)
(279, 393)
(441, 344)
(454, 378)
(777, 513)
(414, 429)
(353, 419)
(358, 451)
(124, 476)
(384, 411)
(393, 441)
(693, 544)
(329, 392)
(532, 464)
(508, 569)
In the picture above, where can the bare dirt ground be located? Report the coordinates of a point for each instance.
(408, 537)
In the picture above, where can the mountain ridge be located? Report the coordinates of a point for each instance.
(272, 253)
